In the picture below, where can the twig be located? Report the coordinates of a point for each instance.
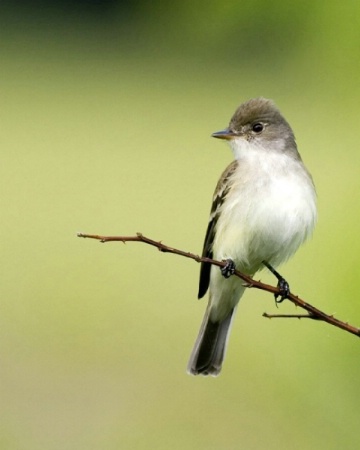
(290, 316)
(313, 313)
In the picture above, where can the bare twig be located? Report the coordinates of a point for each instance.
(290, 316)
(313, 313)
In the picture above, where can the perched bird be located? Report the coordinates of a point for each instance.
(264, 208)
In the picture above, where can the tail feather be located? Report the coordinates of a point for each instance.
(209, 350)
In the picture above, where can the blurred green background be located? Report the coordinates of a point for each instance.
(106, 113)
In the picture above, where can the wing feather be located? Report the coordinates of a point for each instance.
(221, 191)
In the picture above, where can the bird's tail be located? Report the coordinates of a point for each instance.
(209, 349)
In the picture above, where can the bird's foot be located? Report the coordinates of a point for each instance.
(283, 285)
(284, 290)
(228, 269)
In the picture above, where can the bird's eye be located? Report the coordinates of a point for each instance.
(257, 127)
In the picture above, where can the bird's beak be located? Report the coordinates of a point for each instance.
(224, 134)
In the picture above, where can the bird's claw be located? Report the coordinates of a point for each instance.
(228, 269)
(284, 291)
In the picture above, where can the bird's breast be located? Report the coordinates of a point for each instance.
(267, 214)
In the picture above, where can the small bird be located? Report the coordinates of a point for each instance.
(264, 208)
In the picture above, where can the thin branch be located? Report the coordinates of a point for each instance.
(313, 313)
(290, 316)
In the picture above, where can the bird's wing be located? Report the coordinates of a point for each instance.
(221, 191)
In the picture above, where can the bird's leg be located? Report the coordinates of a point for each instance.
(283, 285)
(228, 269)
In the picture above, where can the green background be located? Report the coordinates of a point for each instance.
(106, 114)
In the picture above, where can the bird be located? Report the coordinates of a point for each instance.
(263, 209)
